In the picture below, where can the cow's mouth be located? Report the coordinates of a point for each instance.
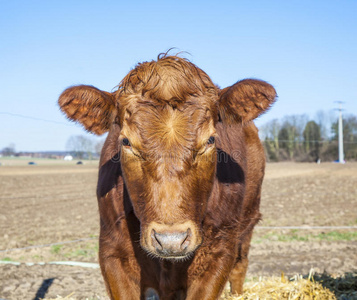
(172, 257)
(178, 258)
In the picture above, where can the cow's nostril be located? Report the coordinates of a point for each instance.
(155, 242)
(187, 240)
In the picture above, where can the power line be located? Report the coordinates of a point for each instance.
(295, 141)
(34, 118)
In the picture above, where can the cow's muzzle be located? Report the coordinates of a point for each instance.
(172, 241)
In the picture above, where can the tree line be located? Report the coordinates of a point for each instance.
(300, 138)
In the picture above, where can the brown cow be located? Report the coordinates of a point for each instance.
(179, 180)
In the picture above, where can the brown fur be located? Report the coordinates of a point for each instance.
(162, 174)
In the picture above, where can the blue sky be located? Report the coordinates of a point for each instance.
(306, 49)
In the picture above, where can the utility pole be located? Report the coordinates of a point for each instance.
(341, 158)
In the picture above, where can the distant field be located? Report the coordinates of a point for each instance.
(23, 161)
(54, 201)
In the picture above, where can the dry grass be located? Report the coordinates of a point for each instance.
(282, 288)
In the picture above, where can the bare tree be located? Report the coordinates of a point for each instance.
(98, 146)
(325, 119)
(298, 123)
(9, 150)
(80, 146)
(312, 139)
(269, 133)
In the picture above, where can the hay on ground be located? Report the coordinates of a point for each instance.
(281, 288)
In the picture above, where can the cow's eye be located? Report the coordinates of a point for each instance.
(211, 140)
(125, 142)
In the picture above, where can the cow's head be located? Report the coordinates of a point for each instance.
(167, 111)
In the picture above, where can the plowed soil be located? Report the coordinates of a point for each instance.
(44, 205)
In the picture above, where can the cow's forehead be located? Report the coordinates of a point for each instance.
(168, 138)
(169, 128)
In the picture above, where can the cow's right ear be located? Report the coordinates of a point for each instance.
(93, 108)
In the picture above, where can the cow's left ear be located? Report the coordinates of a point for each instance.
(93, 108)
(245, 100)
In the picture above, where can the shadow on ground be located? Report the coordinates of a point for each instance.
(344, 287)
(42, 291)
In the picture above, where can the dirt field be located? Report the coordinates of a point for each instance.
(52, 203)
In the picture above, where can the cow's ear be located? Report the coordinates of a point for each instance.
(93, 108)
(245, 100)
